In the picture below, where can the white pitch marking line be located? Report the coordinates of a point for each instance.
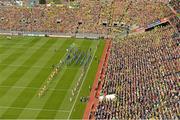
(81, 85)
(34, 66)
(12, 43)
(35, 109)
(9, 65)
(21, 87)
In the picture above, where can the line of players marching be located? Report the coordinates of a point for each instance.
(44, 87)
(73, 55)
(78, 84)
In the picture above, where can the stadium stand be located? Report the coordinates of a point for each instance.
(95, 17)
(175, 22)
(175, 4)
(143, 73)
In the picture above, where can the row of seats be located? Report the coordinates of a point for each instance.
(90, 17)
(176, 5)
(144, 74)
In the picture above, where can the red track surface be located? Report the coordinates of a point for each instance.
(97, 85)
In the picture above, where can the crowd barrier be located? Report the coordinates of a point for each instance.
(51, 34)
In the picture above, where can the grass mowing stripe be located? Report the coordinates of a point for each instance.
(13, 43)
(56, 98)
(13, 78)
(27, 96)
(65, 82)
(32, 109)
(31, 88)
(14, 39)
(24, 98)
(24, 66)
(82, 84)
(15, 55)
(66, 104)
(20, 40)
(24, 47)
(38, 103)
(32, 60)
(79, 107)
(7, 51)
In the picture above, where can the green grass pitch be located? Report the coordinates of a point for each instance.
(26, 62)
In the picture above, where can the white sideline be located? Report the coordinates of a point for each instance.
(81, 85)
(22, 87)
(35, 109)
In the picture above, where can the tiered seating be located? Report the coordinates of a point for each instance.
(142, 13)
(176, 5)
(175, 22)
(5, 2)
(102, 17)
(119, 8)
(88, 16)
(143, 72)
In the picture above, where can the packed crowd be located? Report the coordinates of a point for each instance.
(175, 22)
(87, 18)
(142, 13)
(144, 73)
(5, 2)
(176, 5)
